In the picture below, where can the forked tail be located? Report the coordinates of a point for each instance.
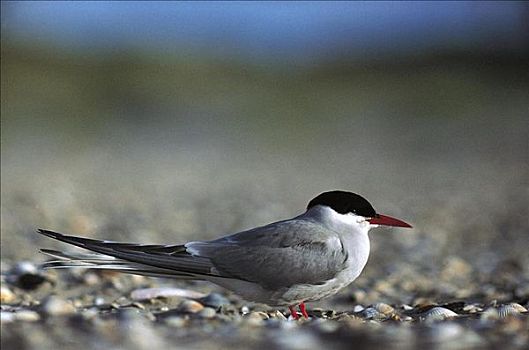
(150, 260)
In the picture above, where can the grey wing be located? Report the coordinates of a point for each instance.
(277, 255)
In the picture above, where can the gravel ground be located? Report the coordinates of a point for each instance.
(79, 308)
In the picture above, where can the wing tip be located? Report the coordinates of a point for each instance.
(51, 234)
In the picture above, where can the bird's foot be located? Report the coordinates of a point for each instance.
(294, 313)
(303, 310)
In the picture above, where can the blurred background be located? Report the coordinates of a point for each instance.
(162, 122)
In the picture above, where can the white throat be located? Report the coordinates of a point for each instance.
(339, 222)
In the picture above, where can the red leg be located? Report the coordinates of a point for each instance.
(303, 310)
(293, 312)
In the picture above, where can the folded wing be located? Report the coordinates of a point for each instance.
(278, 255)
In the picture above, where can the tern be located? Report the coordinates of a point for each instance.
(285, 263)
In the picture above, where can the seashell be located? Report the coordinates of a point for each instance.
(278, 315)
(358, 308)
(510, 309)
(406, 307)
(384, 308)
(438, 314)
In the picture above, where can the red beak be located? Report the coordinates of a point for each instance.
(387, 221)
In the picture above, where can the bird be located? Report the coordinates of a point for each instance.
(284, 264)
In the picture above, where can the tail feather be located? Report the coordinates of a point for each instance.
(65, 260)
(152, 260)
(76, 256)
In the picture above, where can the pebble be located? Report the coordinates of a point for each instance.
(55, 306)
(7, 317)
(455, 269)
(358, 296)
(90, 278)
(164, 292)
(22, 268)
(383, 286)
(128, 314)
(445, 331)
(327, 326)
(214, 300)
(347, 318)
(90, 314)
(371, 313)
(99, 301)
(6, 295)
(25, 275)
(472, 308)
(320, 313)
(121, 301)
(175, 322)
(207, 313)
(490, 313)
(190, 306)
(228, 310)
(255, 318)
(27, 316)
(262, 315)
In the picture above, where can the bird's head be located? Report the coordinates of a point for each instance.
(354, 209)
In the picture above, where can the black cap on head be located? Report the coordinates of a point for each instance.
(344, 202)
